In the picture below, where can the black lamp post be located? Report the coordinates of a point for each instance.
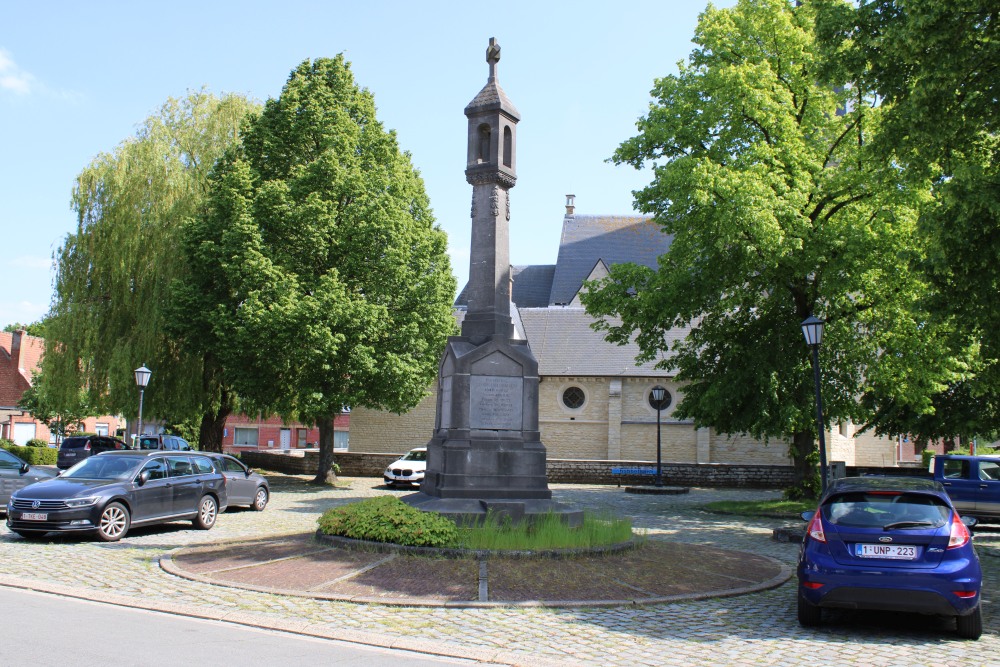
(812, 329)
(658, 393)
(142, 379)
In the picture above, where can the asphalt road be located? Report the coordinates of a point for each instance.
(47, 630)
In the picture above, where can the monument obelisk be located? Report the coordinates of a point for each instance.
(486, 454)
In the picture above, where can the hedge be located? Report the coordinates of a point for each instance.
(36, 456)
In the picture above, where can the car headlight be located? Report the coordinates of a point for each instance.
(81, 502)
(388, 471)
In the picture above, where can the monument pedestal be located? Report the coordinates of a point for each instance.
(486, 454)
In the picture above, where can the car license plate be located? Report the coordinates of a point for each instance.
(895, 551)
(34, 516)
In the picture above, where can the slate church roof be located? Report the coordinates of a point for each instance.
(616, 239)
(560, 336)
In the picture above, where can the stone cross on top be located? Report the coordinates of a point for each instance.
(493, 57)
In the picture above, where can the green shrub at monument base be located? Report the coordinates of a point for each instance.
(388, 519)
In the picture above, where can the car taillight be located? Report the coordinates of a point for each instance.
(87, 446)
(959, 533)
(815, 529)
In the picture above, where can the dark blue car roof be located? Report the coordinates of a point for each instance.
(845, 484)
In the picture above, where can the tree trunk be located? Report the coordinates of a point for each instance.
(325, 473)
(213, 424)
(805, 482)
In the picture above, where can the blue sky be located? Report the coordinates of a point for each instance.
(76, 78)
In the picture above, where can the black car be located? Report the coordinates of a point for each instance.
(243, 485)
(171, 443)
(76, 448)
(109, 493)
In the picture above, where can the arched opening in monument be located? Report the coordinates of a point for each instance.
(484, 143)
(508, 146)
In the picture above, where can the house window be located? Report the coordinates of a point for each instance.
(245, 437)
(101, 429)
(303, 435)
(574, 398)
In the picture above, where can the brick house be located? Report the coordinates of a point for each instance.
(594, 400)
(19, 356)
(243, 433)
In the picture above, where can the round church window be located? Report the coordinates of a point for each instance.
(574, 398)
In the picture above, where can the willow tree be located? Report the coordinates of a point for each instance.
(761, 174)
(112, 307)
(319, 277)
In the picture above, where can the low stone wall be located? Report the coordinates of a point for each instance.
(566, 471)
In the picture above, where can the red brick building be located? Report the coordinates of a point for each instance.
(19, 356)
(245, 433)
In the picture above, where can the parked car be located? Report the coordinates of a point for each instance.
(408, 470)
(111, 492)
(16, 474)
(893, 544)
(168, 442)
(243, 485)
(972, 483)
(76, 448)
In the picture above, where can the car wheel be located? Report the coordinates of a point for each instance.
(260, 499)
(208, 510)
(970, 626)
(31, 534)
(114, 523)
(809, 614)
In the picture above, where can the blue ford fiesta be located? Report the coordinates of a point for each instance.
(890, 544)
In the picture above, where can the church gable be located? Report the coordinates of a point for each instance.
(599, 271)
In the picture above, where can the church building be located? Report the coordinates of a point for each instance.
(594, 401)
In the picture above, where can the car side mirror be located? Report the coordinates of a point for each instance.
(807, 516)
(25, 468)
(970, 521)
(249, 472)
(143, 477)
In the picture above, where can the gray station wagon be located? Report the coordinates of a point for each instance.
(111, 492)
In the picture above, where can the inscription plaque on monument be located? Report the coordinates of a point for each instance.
(496, 402)
(445, 411)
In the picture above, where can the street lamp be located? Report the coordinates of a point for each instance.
(812, 329)
(659, 394)
(142, 379)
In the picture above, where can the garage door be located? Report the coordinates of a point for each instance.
(23, 433)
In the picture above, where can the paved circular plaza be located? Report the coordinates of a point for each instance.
(752, 629)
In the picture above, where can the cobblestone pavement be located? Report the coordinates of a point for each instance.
(754, 629)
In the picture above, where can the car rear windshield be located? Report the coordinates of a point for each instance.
(416, 456)
(74, 443)
(149, 442)
(886, 509)
(105, 467)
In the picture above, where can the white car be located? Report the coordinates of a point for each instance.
(408, 470)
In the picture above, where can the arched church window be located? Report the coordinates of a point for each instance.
(508, 146)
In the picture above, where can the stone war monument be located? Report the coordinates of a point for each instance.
(486, 454)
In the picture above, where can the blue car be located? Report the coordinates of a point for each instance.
(891, 544)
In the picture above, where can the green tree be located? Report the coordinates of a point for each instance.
(319, 278)
(33, 329)
(761, 174)
(936, 67)
(111, 311)
(59, 417)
